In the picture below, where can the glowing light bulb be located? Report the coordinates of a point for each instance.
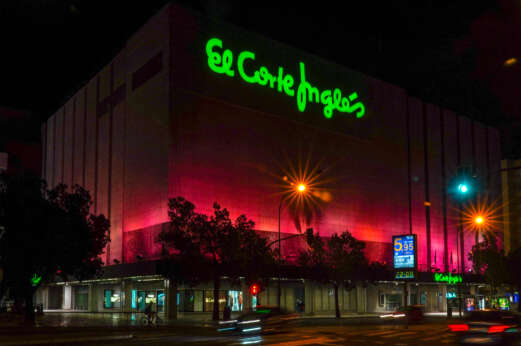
(463, 188)
(301, 188)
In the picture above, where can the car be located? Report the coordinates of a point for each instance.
(488, 327)
(413, 313)
(263, 319)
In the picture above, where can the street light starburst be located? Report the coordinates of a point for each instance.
(482, 216)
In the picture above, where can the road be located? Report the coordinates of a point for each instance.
(304, 334)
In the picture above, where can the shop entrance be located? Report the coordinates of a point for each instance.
(81, 297)
(55, 297)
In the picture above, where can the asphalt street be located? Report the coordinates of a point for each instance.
(301, 334)
(323, 335)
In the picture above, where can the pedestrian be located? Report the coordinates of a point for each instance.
(227, 313)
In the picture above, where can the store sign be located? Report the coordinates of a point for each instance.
(450, 295)
(404, 251)
(404, 274)
(449, 278)
(224, 61)
(35, 280)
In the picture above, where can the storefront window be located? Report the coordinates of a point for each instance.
(134, 299)
(189, 300)
(81, 297)
(107, 302)
(235, 300)
(141, 297)
(393, 301)
(160, 301)
(503, 303)
(150, 298)
(115, 299)
(208, 300)
(469, 304)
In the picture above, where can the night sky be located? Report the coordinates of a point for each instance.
(50, 48)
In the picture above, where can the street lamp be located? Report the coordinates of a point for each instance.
(300, 189)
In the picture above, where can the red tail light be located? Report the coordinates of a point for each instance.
(458, 327)
(498, 329)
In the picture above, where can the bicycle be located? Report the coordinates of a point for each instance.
(151, 319)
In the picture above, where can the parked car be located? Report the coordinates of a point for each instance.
(263, 319)
(488, 327)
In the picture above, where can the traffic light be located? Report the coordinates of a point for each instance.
(254, 289)
(463, 188)
(465, 183)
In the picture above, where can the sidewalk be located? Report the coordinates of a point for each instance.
(68, 328)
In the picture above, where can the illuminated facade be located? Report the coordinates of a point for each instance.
(201, 109)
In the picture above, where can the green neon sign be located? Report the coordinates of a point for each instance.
(449, 278)
(222, 62)
(35, 280)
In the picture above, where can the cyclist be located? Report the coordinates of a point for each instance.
(150, 313)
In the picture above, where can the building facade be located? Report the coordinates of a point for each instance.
(511, 183)
(201, 109)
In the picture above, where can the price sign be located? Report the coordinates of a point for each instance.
(404, 251)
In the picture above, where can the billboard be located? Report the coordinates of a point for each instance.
(404, 251)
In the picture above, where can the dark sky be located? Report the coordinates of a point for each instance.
(50, 47)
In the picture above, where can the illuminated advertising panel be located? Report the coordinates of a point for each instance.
(404, 251)
(405, 275)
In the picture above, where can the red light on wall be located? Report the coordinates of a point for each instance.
(254, 289)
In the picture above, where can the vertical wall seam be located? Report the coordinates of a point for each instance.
(44, 151)
(409, 184)
(444, 193)
(54, 148)
(96, 138)
(73, 138)
(487, 157)
(109, 192)
(63, 144)
(474, 164)
(461, 247)
(427, 195)
(84, 158)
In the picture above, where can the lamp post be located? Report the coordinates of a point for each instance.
(301, 188)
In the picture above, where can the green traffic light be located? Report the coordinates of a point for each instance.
(463, 188)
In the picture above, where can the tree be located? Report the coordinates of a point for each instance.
(45, 233)
(222, 246)
(338, 261)
(490, 261)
